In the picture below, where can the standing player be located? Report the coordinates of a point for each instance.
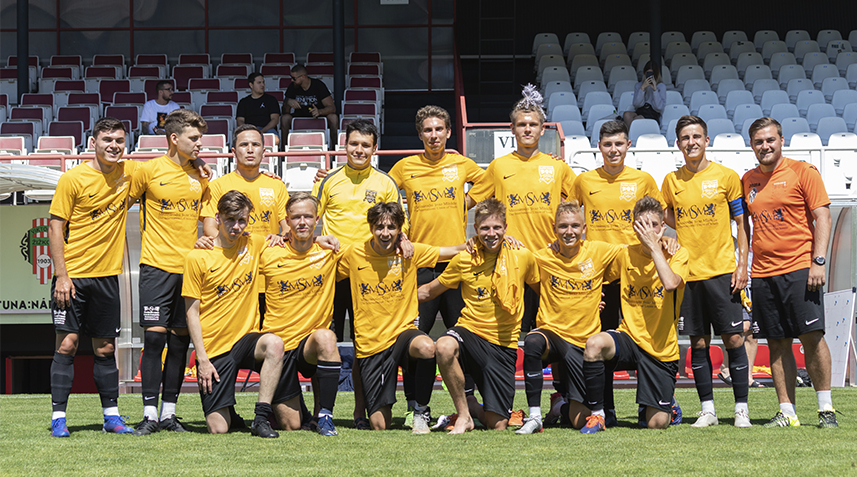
(529, 183)
(87, 234)
(484, 343)
(701, 198)
(785, 197)
(568, 313)
(652, 284)
(220, 301)
(171, 191)
(383, 286)
(434, 183)
(300, 280)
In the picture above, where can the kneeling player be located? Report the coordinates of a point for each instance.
(383, 288)
(484, 343)
(221, 299)
(300, 280)
(652, 285)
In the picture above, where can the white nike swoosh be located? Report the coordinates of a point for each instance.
(735, 323)
(663, 403)
(533, 375)
(740, 368)
(696, 367)
(811, 322)
(120, 329)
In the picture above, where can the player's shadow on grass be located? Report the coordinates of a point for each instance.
(87, 427)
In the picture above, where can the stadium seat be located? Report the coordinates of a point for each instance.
(674, 97)
(763, 36)
(590, 87)
(671, 139)
(587, 73)
(830, 86)
(672, 112)
(688, 73)
(32, 116)
(642, 48)
(727, 86)
(739, 47)
(596, 110)
(40, 100)
(788, 73)
(851, 75)
(719, 126)
(552, 74)
(744, 112)
(56, 145)
(560, 98)
(621, 87)
(794, 36)
(77, 113)
(781, 111)
(822, 72)
(593, 141)
(849, 114)
(67, 128)
(692, 86)
(574, 38)
(806, 147)
(643, 126)
(571, 51)
(721, 73)
(807, 97)
(635, 38)
(625, 102)
(803, 47)
(711, 111)
(221, 97)
(195, 59)
(731, 36)
(835, 47)
(51, 74)
(810, 60)
(236, 59)
(707, 47)
(797, 85)
(682, 59)
(698, 98)
(700, 37)
(756, 72)
(816, 111)
(137, 76)
(199, 89)
(844, 60)
(772, 47)
(841, 98)
(771, 97)
(830, 125)
(549, 48)
(713, 60)
(746, 60)
(572, 128)
(14, 145)
(152, 143)
(125, 113)
(158, 61)
(606, 37)
(778, 61)
(792, 126)
(565, 112)
(182, 74)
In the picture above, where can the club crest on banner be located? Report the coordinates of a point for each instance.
(628, 191)
(36, 250)
(709, 189)
(546, 174)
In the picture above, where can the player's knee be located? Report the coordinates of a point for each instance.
(68, 346)
(733, 340)
(659, 420)
(535, 344)
(423, 348)
(273, 346)
(105, 347)
(446, 348)
(594, 347)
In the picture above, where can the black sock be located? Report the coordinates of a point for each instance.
(738, 363)
(263, 410)
(560, 378)
(563, 415)
(593, 373)
(327, 373)
(469, 385)
(700, 362)
(408, 387)
(106, 379)
(534, 348)
(62, 375)
(175, 366)
(608, 390)
(150, 366)
(424, 377)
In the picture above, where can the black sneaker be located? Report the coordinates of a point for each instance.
(263, 429)
(146, 427)
(172, 424)
(827, 419)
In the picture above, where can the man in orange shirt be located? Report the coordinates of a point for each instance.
(784, 197)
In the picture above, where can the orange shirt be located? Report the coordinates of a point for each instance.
(781, 204)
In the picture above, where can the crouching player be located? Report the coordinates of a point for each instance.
(300, 279)
(652, 285)
(221, 299)
(383, 289)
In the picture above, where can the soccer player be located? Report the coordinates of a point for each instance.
(220, 301)
(702, 197)
(383, 286)
(171, 190)
(785, 197)
(568, 313)
(345, 195)
(652, 283)
(87, 234)
(434, 183)
(300, 279)
(529, 183)
(484, 343)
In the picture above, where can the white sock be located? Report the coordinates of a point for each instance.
(419, 408)
(557, 407)
(323, 414)
(708, 406)
(825, 402)
(151, 412)
(110, 411)
(741, 406)
(536, 412)
(599, 412)
(168, 410)
(57, 415)
(788, 409)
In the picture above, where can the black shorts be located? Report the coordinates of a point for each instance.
(570, 357)
(241, 356)
(492, 368)
(449, 303)
(655, 378)
(379, 371)
(784, 308)
(161, 301)
(94, 310)
(710, 304)
(293, 362)
(611, 315)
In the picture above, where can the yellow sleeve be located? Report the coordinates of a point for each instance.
(425, 255)
(282, 199)
(452, 275)
(650, 188)
(139, 183)
(193, 274)
(614, 270)
(473, 173)
(484, 189)
(63, 202)
(575, 190)
(532, 271)
(209, 200)
(396, 173)
(342, 268)
(678, 264)
(666, 191)
(734, 189)
(320, 195)
(568, 181)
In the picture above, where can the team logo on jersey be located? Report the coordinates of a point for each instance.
(267, 196)
(501, 266)
(316, 260)
(587, 268)
(752, 195)
(709, 189)
(546, 174)
(450, 173)
(394, 264)
(194, 184)
(245, 257)
(121, 184)
(628, 191)
(370, 196)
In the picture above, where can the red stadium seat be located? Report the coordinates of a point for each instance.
(275, 70)
(316, 57)
(13, 145)
(107, 88)
(279, 58)
(800, 359)
(124, 98)
(227, 97)
(182, 75)
(285, 82)
(76, 113)
(125, 113)
(763, 358)
(236, 59)
(56, 144)
(714, 352)
(68, 86)
(365, 57)
(67, 128)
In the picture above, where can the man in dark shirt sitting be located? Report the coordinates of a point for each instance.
(307, 97)
(259, 109)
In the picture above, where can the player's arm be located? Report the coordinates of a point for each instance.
(739, 276)
(650, 239)
(431, 290)
(209, 231)
(446, 253)
(206, 374)
(820, 239)
(328, 241)
(669, 216)
(64, 288)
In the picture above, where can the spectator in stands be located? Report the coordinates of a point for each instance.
(220, 299)
(308, 97)
(702, 199)
(484, 343)
(155, 111)
(650, 96)
(785, 197)
(259, 109)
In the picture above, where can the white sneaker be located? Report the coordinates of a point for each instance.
(742, 419)
(421, 422)
(531, 425)
(705, 419)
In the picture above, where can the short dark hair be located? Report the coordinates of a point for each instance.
(762, 123)
(160, 84)
(301, 197)
(364, 127)
(252, 77)
(487, 208)
(648, 204)
(611, 128)
(382, 210)
(180, 119)
(245, 127)
(432, 111)
(299, 69)
(690, 120)
(233, 202)
(107, 124)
